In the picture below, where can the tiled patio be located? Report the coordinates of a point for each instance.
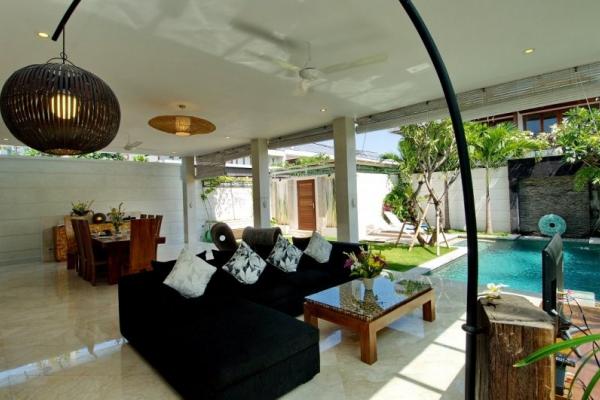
(60, 339)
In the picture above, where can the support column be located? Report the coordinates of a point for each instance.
(344, 141)
(190, 200)
(520, 123)
(261, 183)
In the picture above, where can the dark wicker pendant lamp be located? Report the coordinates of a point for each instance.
(59, 108)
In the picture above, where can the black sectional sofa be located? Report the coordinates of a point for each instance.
(236, 341)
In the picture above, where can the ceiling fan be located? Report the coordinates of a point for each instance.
(131, 145)
(309, 75)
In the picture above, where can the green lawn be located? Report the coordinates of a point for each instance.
(400, 259)
(500, 233)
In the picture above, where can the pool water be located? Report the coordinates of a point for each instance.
(518, 264)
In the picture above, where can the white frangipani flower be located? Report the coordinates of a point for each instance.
(494, 290)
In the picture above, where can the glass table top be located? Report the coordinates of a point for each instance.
(352, 298)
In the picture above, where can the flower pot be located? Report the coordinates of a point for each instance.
(368, 282)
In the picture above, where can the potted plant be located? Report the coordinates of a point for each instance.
(81, 208)
(367, 266)
(116, 215)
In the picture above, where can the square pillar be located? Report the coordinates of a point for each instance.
(261, 183)
(190, 200)
(344, 141)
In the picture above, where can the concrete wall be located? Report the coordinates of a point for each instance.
(36, 193)
(372, 188)
(499, 194)
(230, 204)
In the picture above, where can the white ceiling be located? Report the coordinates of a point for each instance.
(156, 54)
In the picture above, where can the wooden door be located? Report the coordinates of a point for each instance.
(307, 213)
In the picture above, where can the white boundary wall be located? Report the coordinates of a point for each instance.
(36, 193)
(499, 193)
(232, 205)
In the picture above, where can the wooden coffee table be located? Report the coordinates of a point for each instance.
(369, 311)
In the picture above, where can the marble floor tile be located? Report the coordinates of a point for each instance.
(60, 339)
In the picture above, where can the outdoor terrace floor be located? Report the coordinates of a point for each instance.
(60, 339)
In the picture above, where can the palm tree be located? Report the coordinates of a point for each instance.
(491, 146)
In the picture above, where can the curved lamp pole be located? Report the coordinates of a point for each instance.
(471, 327)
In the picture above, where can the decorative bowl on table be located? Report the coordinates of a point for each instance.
(99, 218)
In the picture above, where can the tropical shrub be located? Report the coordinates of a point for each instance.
(579, 138)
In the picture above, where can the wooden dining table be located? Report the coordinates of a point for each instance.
(116, 248)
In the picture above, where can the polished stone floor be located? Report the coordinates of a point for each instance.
(59, 339)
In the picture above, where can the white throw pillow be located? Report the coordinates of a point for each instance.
(245, 265)
(318, 248)
(284, 255)
(190, 275)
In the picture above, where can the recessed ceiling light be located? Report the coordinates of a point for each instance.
(323, 109)
(529, 50)
(43, 35)
(227, 137)
(5, 139)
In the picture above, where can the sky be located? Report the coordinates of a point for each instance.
(377, 142)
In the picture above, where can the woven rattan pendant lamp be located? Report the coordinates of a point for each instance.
(181, 125)
(59, 108)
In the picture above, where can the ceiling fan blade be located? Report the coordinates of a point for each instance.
(131, 146)
(277, 61)
(360, 62)
(302, 88)
(259, 32)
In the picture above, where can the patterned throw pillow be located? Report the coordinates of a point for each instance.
(318, 248)
(285, 255)
(245, 265)
(190, 275)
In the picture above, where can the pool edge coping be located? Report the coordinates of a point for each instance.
(430, 265)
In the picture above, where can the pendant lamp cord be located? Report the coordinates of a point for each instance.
(63, 54)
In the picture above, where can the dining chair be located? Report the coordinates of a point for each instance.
(142, 244)
(91, 261)
(150, 216)
(143, 216)
(71, 244)
(80, 252)
(157, 225)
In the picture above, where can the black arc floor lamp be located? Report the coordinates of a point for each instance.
(471, 327)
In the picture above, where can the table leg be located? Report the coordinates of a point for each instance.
(429, 311)
(309, 317)
(368, 344)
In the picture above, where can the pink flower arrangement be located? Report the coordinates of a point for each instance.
(365, 264)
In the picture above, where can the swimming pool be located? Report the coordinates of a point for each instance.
(518, 264)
